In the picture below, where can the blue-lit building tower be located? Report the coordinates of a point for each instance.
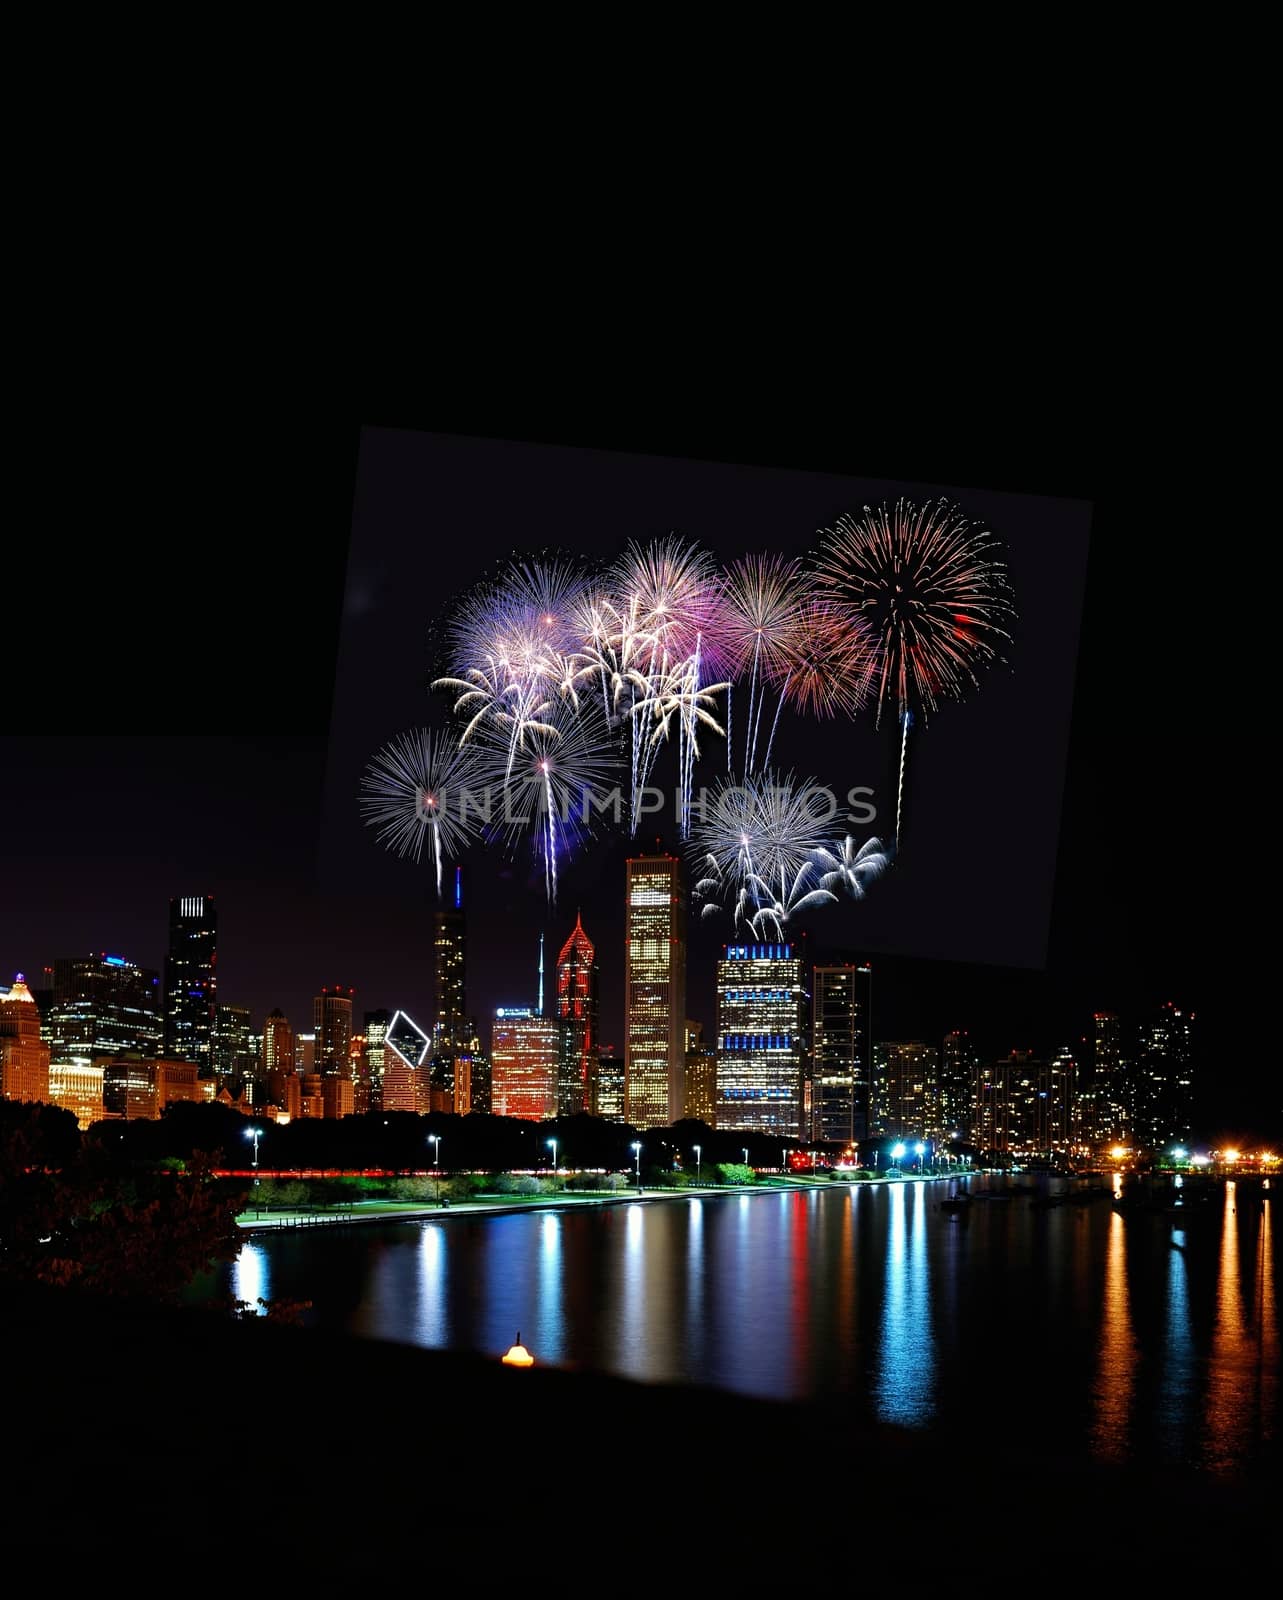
(191, 980)
(762, 1045)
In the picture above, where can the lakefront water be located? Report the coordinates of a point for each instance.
(1137, 1336)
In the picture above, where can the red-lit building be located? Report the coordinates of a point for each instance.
(577, 1010)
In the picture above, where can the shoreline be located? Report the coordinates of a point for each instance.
(415, 1212)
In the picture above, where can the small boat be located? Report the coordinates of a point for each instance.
(957, 1202)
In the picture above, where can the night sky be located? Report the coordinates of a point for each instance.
(186, 748)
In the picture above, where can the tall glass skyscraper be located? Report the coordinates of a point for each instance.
(957, 1069)
(1165, 1081)
(654, 991)
(451, 1030)
(841, 1053)
(103, 1006)
(191, 979)
(1112, 1096)
(332, 1024)
(577, 1009)
(762, 1009)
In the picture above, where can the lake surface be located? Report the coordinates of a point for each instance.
(1126, 1337)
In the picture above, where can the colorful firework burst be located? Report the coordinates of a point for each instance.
(929, 586)
(560, 779)
(418, 787)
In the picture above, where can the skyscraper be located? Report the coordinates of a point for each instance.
(953, 1093)
(191, 979)
(840, 1053)
(1055, 1122)
(654, 991)
(904, 1072)
(1112, 1095)
(577, 1009)
(376, 1025)
(989, 1107)
(24, 1057)
(526, 1055)
(607, 1096)
(1165, 1079)
(762, 1009)
(103, 1005)
(231, 1052)
(278, 1043)
(1024, 1075)
(405, 1051)
(701, 1084)
(332, 1024)
(450, 973)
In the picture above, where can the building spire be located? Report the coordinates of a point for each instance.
(540, 974)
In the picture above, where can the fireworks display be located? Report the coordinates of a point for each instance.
(547, 786)
(418, 787)
(929, 587)
(560, 677)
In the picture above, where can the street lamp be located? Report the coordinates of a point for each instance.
(920, 1150)
(553, 1143)
(435, 1138)
(637, 1156)
(698, 1152)
(255, 1134)
(897, 1155)
(745, 1150)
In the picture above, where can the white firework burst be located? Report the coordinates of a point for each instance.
(418, 788)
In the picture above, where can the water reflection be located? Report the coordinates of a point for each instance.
(251, 1279)
(1112, 1391)
(430, 1324)
(906, 1359)
(1177, 1383)
(1242, 1387)
(910, 1315)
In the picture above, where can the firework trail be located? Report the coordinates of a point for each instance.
(831, 661)
(680, 697)
(551, 788)
(852, 867)
(418, 787)
(762, 606)
(933, 591)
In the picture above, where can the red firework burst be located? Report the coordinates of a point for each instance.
(932, 590)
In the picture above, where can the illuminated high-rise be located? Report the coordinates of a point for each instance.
(450, 972)
(191, 980)
(231, 1052)
(904, 1075)
(1112, 1091)
(278, 1044)
(607, 1096)
(841, 1053)
(1165, 1079)
(103, 1005)
(989, 1111)
(24, 1057)
(654, 991)
(577, 1010)
(526, 1055)
(953, 1088)
(762, 1046)
(405, 1053)
(332, 1024)
(701, 1084)
(1055, 1122)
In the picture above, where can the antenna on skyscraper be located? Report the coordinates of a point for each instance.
(540, 1012)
